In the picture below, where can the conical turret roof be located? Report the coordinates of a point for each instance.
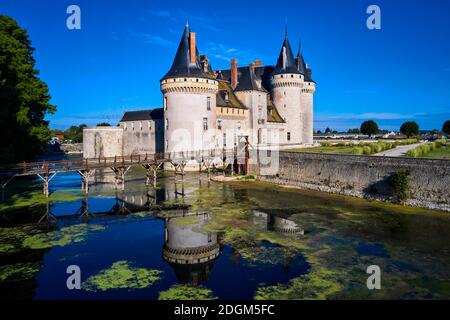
(182, 66)
(286, 62)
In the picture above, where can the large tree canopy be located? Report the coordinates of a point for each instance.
(410, 128)
(446, 127)
(24, 98)
(369, 128)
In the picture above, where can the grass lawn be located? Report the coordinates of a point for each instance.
(332, 149)
(439, 153)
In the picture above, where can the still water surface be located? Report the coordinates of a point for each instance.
(228, 241)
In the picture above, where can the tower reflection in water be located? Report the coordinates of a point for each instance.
(188, 250)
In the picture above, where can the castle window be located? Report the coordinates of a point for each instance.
(224, 140)
(149, 125)
(292, 75)
(219, 124)
(185, 79)
(140, 125)
(167, 124)
(205, 124)
(165, 103)
(196, 80)
(125, 126)
(239, 125)
(208, 103)
(285, 106)
(288, 136)
(132, 126)
(282, 76)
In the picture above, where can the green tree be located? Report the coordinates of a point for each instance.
(75, 133)
(446, 127)
(369, 128)
(103, 124)
(410, 128)
(24, 98)
(328, 130)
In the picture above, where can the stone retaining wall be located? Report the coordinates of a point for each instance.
(365, 176)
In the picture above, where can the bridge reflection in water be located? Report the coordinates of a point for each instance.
(187, 248)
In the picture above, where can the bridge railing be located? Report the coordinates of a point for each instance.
(25, 168)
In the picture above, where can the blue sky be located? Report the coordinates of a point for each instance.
(114, 63)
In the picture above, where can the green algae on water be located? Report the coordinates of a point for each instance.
(121, 275)
(320, 284)
(36, 197)
(62, 237)
(18, 272)
(187, 292)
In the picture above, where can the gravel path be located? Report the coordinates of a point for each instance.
(398, 151)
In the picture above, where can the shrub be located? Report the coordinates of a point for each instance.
(325, 144)
(399, 183)
(366, 150)
(357, 151)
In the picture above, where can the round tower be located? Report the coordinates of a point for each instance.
(185, 245)
(307, 102)
(189, 93)
(287, 82)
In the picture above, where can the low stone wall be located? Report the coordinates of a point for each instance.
(72, 147)
(365, 176)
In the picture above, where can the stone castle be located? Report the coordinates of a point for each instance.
(205, 109)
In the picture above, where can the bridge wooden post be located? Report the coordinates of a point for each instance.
(152, 172)
(85, 176)
(46, 177)
(120, 173)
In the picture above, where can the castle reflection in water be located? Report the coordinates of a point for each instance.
(188, 249)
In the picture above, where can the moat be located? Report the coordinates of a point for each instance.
(201, 239)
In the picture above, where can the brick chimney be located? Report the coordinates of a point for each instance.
(258, 63)
(234, 73)
(192, 50)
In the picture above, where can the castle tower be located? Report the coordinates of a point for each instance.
(189, 92)
(307, 99)
(288, 80)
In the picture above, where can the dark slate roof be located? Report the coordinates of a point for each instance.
(181, 66)
(151, 114)
(301, 65)
(247, 80)
(286, 62)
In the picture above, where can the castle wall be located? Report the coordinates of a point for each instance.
(365, 176)
(139, 137)
(256, 102)
(102, 142)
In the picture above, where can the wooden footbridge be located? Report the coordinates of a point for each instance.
(207, 160)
